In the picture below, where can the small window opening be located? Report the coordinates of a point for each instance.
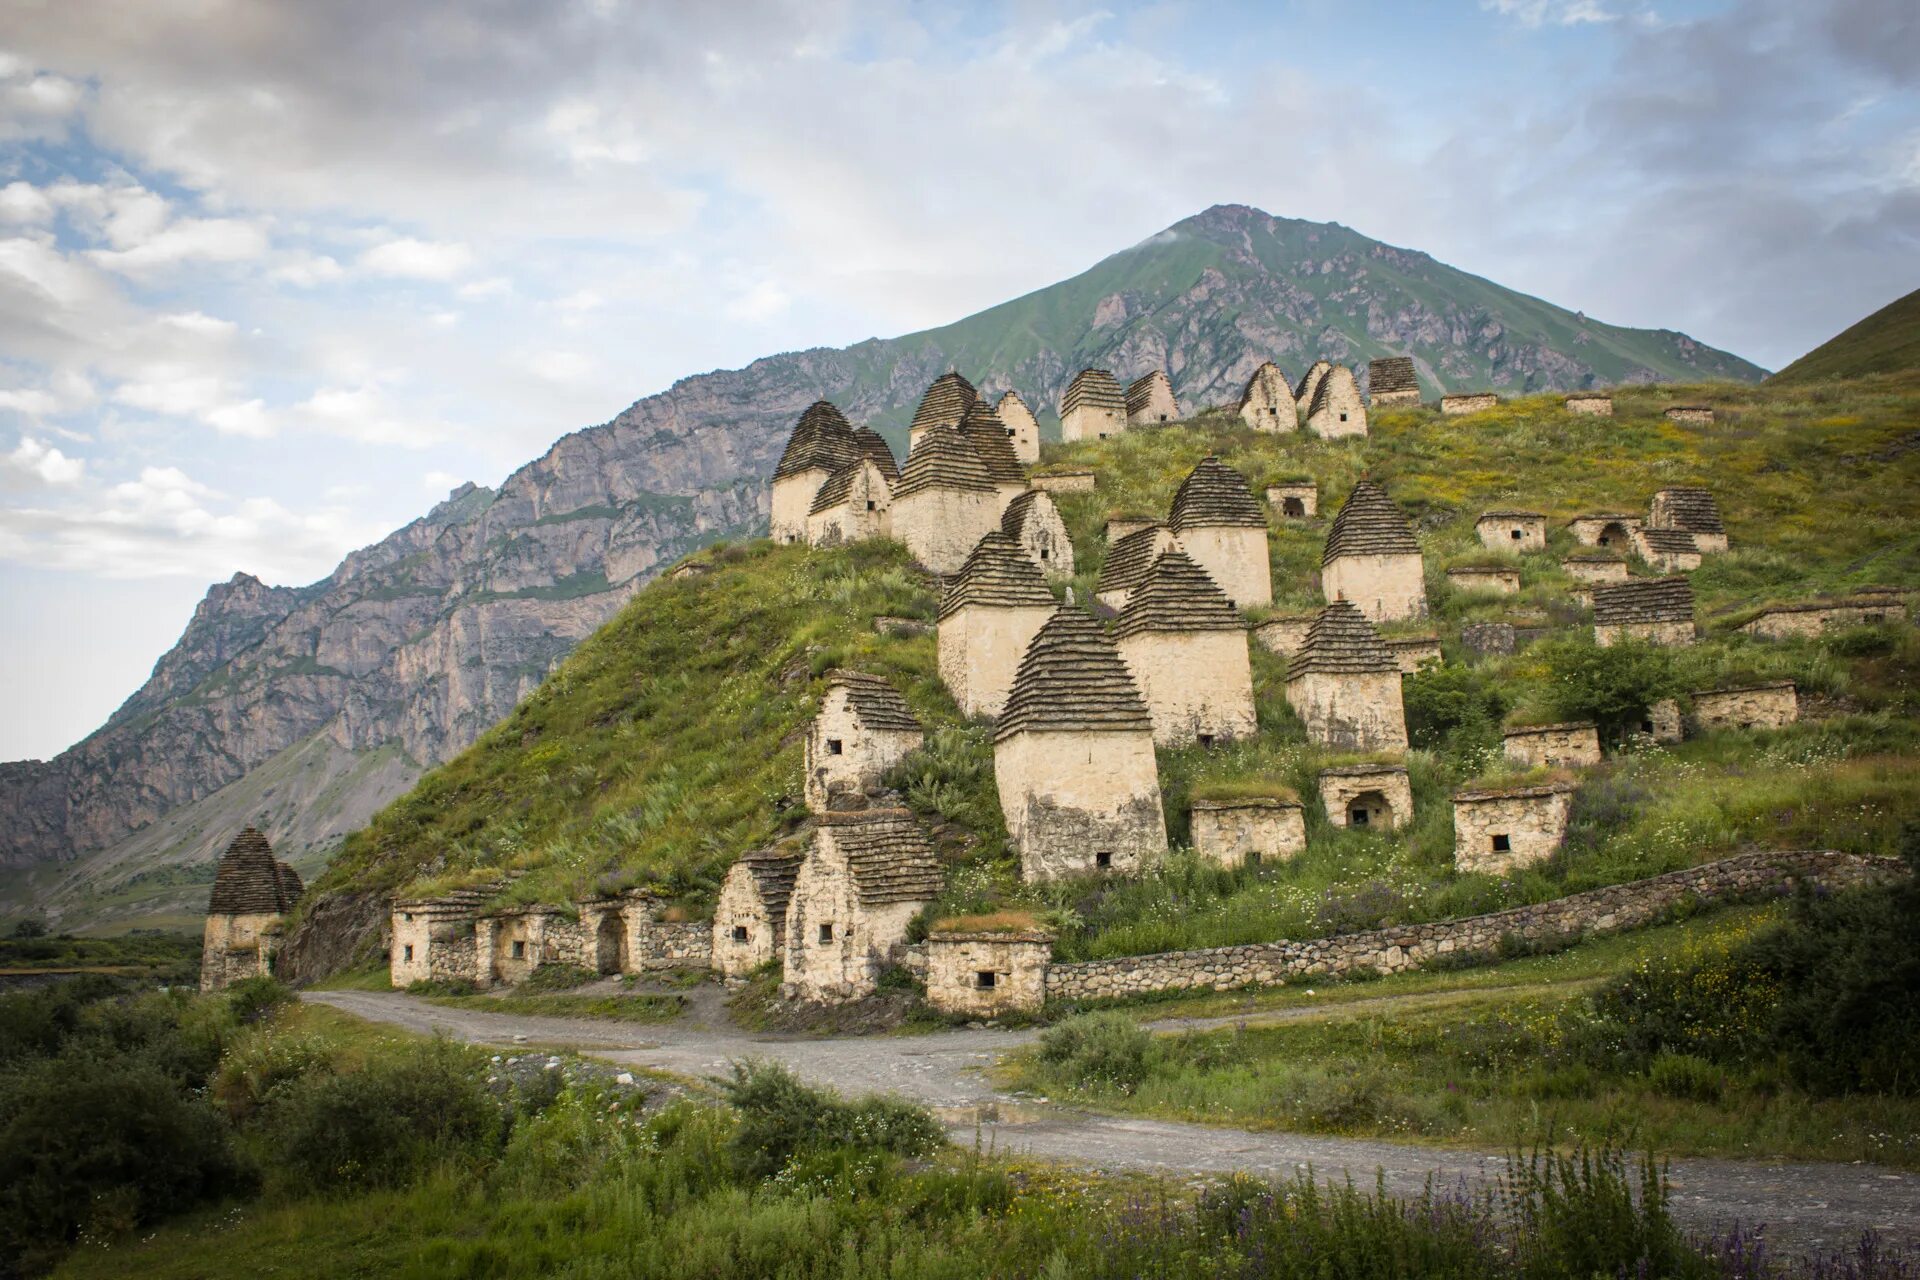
(826, 933)
(1517, 535)
(519, 951)
(1502, 844)
(1103, 435)
(1356, 817)
(408, 949)
(1103, 860)
(985, 979)
(1043, 553)
(1253, 857)
(1206, 739)
(1163, 417)
(1343, 417)
(834, 747)
(739, 933)
(1646, 726)
(407, 916)
(1009, 433)
(870, 507)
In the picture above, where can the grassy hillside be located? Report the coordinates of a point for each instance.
(669, 743)
(1888, 341)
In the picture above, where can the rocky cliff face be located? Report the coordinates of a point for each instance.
(423, 640)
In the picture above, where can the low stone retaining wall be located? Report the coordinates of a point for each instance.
(1598, 911)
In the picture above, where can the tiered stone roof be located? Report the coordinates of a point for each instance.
(877, 703)
(250, 881)
(773, 872)
(1140, 390)
(945, 459)
(1013, 521)
(888, 854)
(1692, 508)
(998, 575)
(1214, 494)
(983, 427)
(944, 403)
(1669, 542)
(836, 488)
(1072, 680)
(1534, 792)
(1177, 595)
(1129, 559)
(1510, 515)
(1644, 600)
(1310, 380)
(1392, 373)
(1093, 387)
(1322, 388)
(1369, 525)
(1255, 378)
(1341, 642)
(869, 445)
(822, 438)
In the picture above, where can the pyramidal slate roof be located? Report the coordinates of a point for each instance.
(877, 703)
(888, 854)
(1094, 387)
(1392, 373)
(1129, 559)
(997, 574)
(989, 436)
(1369, 525)
(1177, 595)
(1072, 680)
(822, 438)
(868, 444)
(1253, 380)
(1310, 380)
(1668, 542)
(836, 488)
(1692, 509)
(1215, 494)
(1643, 600)
(250, 881)
(944, 459)
(944, 403)
(1341, 642)
(1323, 387)
(773, 872)
(1140, 390)
(1013, 521)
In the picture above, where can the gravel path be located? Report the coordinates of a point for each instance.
(1802, 1205)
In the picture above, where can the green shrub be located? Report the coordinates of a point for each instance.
(1592, 1213)
(1611, 685)
(781, 1119)
(382, 1125)
(558, 977)
(1452, 707)
(1683, 1076)
(254, 998)
(1097, 1051)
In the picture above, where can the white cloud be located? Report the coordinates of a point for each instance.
(188, 240)
(307, 270)
(411, 259)
(559, 366)
(32, 460)
(249, 418)
(439, 481)
(761, 302)
(24, 202)
(366, 414)
(491, 287)
(200, 324)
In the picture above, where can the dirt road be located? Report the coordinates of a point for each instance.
(1802, 1205)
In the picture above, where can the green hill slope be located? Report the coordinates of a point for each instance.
(669, 742)
(1888, 341)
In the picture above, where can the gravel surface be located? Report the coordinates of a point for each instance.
(1801, 1205)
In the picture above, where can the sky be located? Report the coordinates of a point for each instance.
(274, 275)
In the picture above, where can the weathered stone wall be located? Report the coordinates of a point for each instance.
(1413, 652)
(237, 947)
(792, 498)
(431, 946)
(1512, 533)
(1235, 558)
(1672, 560)
(1197, 683)
(1600, 406)
(1596, 570)
(740, 908)
(1070, 797)
(980, 649)
(1092, 422)
(1284, 635)
(1341, 412)
(864, 754)
(986, 974)
(1386, 588)
(1553, 746)
(1269, 402)
(1043, 536)
(1025, 428)
(1496, 833)
(1063, 482)
(1121, 526)
(1232, 832)
(509, 947)
(1769, 707)
(1499, 582)
(1675, 633)
(845, 964)
(867, 513)
(1693, 415)
(941, 526)
(1468, 402)
(1599, 911)
(1794, 623)
(1614, 531)
(1661, 723)
(1351, 712)
(1384, 796)
(1295, 501)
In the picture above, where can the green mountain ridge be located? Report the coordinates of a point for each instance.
(1888, 341)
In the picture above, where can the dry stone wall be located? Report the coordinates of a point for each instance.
(1387, 588)
(1553, 746)
(1599, 911)
(1234, 832)
(986, 974)
(1496, 831)
(1766, 706)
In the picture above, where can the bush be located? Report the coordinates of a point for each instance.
(97, 1146)
(1098, 1051)
(384, 1124)
(1683, 1076)
(781, 1119)
(558, 977)
(1612, 686)
(254, 998)
(1453, 707)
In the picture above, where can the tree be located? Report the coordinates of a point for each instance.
(1612, 686)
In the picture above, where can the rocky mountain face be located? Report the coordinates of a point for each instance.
(418, 643)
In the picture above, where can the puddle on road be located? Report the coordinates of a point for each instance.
(1006, 1113)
